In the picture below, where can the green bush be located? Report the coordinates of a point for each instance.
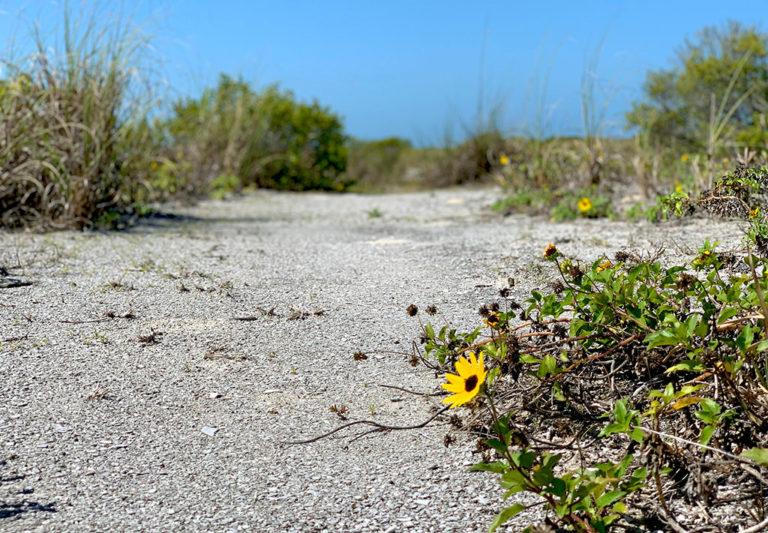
(374, 164)
(718, 83)
(266, 139)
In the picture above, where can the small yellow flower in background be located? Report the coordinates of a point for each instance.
(600, 155)
(605, 264)
(504, 160)
(492, 321)
(153, 164)
(179, 155)
(755, 212)
(465, 385)
(684, 158)
(585, 204)
(678, 187)
(726, 160)
(550, 251)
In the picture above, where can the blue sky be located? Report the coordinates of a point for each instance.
(413, 68)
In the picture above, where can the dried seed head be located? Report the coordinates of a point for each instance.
(495, 307)
(504, 293)
(412, 310)
(575, 272)
(360, 356)
(484, 311)
(431, 310)
(685, 282)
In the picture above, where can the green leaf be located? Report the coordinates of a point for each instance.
(762, 346)
(726, 313)
(665, 337)
(706, 434)
(637, 435)
(496, 468)
(745, 338)
(497, 445)
(609, 497)
(758, 455)
(548, 366)
(689, 365)
(505, 515)
(557, 488)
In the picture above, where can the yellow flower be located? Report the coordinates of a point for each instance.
(725, 160)
(504, 160)
(754, 213)
(585, 204)
(684, 158)
(465, 385)
(153, 164)
(678, 187)
(605, 264)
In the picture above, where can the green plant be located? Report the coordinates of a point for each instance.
(642, 373)
(224, 185)
(68, 112)
(266, 138)
(716, 90)
(376, 165)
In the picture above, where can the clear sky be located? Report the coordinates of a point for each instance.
(418, 69)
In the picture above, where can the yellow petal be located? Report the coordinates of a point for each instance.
(454, 387)
(458, 399)
(453, 378)
(463, 367)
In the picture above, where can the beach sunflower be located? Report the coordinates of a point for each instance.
(504, 160)
(585, 204)
(465, 385)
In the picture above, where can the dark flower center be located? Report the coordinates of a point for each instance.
(470, 384)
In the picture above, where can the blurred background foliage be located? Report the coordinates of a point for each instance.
(86, 137)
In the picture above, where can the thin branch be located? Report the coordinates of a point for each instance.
(376, 425)
(411, 391)
(597, 356)
(671, 521)
(693, 443)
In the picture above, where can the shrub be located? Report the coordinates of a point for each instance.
(265, 139)
(377, 164)
(723, 69)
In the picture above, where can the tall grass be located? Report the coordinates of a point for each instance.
(69, 148)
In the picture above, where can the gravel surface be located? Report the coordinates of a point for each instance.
(132, 399)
